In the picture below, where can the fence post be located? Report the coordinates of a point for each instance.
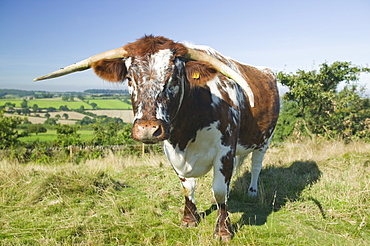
(70, 152)
(142, 149)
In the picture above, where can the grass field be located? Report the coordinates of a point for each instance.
(310, 194)
(126, 115)
(48, 102)
(110, 104)
(41, 120)
(57, 102)
(51, 135)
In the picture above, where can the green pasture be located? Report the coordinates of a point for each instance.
(57, 102)
(309, 194)
(51, 135)
(110, 104)
(46, 103)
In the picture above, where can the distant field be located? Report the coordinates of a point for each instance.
(110, 104)
(41, 120)
(46, 103)
(71, 115)
(126, 115)
(57, 102)
(51, 135)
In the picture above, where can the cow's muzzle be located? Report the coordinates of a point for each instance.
(150, 131)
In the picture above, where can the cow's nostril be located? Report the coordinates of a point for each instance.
(158, 132)
(149, 131)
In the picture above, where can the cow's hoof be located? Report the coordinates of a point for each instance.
(252, 192)
(188, 224)
(224, 238)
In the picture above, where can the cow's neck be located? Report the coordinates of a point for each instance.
(195, 113)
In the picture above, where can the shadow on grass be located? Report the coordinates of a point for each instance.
(277, 185)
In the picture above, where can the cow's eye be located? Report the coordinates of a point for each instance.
(128, 80)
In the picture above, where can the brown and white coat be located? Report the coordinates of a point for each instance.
(204, 118)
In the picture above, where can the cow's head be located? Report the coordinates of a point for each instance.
(157, 71)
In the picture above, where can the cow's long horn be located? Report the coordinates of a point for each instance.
(224, 69)
(85, 64)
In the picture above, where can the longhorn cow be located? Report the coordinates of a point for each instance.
(210, 111)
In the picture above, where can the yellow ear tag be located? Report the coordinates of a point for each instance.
(196, 75)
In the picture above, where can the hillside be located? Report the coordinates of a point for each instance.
(109, 106)
(24, 93)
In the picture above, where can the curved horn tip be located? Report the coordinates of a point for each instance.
(85, 64)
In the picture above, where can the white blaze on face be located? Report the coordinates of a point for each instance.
(153, 73)
(161, 63)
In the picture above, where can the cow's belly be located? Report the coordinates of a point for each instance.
(199, 156)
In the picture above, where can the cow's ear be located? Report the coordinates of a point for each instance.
(199, 73)
(113, 70)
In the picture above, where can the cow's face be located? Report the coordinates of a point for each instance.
(156, 89)
(157, 77)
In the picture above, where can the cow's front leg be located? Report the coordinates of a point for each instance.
(191, 217)
(221, 182)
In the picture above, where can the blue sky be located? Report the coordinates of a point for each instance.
(41, 36)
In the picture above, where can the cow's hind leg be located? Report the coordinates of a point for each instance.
(257, 158)
(221, 182)
(191, 217)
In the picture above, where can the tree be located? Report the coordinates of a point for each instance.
(67, 135)
(81, 109)
(47, 95)
(35, 108)
(8, 133)
(287, 125)
(26, 111)
(36, 128)
(87, 120)
(63, 108)
(94, 105)
(11, 109)
(47, 115)
(107, 134)
(24, 104)
(81, 97)
(65, 98)
(51, 109)
(319, 103)
(65, 116)
(50, 121)
(8, 104)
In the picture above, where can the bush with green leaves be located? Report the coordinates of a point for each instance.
(314, 106)
(36, 128)
(67, 135)
(8, 133)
